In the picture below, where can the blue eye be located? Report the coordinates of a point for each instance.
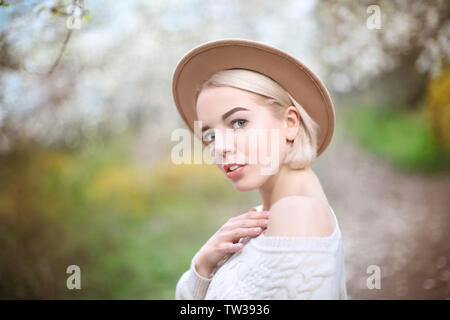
(205, 138)
(240, 122)
(236, 124)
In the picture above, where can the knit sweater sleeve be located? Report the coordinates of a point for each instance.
(192, 285)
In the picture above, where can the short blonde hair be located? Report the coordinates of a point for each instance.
(303, 149)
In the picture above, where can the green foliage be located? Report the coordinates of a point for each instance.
(131, 228)
(401, 137)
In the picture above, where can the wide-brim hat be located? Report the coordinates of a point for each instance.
(197, 66)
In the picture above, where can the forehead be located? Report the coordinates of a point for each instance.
(217, 100)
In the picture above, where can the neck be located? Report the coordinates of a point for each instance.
(290, 182)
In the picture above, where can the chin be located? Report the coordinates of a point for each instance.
(250, 181)
(243, 187)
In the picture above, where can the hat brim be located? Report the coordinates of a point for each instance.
(201, 62)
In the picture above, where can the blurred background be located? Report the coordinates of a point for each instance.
(86, 114)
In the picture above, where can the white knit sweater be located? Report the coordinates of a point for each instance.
(273, 267)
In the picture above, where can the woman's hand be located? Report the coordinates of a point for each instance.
(226, 240)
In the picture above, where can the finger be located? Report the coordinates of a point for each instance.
(247, 223)
(238, 233)
(232, 247)
(256, 214)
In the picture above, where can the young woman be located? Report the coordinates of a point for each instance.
(251, 97)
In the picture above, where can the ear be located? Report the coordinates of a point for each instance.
(291, 122)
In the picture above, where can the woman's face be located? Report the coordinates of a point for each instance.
(239, 129)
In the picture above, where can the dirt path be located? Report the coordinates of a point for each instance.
(397, 221)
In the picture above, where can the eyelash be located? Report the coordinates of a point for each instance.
(232, 122)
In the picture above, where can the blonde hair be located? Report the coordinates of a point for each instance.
(303, 149)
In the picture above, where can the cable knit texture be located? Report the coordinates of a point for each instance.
(273, 267)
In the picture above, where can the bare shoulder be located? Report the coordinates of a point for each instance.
(300, 216)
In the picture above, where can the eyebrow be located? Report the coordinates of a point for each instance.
(226, 115)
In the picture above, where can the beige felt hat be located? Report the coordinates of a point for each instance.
(201, 62)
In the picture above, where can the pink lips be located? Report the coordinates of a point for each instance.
(235, 173)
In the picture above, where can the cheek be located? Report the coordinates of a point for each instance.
(246, 144)
(253, 179)
(274, 143)
(260, 143)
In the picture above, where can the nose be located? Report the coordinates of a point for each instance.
(223, 146)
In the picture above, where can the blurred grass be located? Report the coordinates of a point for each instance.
(132, 229)
(402, 137)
